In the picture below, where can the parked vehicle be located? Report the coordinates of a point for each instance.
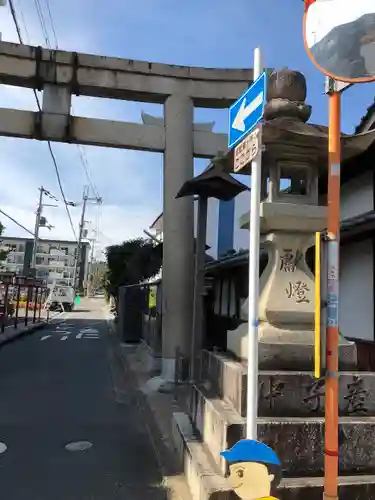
(64, 295)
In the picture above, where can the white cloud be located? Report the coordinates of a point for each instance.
(130, 182)
(125, 179)
(131, 189)
(116, 223)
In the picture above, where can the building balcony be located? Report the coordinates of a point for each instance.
(56, 263)
(60, 265)
(56, 276)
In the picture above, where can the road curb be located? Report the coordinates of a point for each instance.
(12, 335)
(127, 382)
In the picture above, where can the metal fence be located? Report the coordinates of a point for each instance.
(21, 301)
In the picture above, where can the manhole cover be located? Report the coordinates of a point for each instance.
(78, 446)
(3, 448)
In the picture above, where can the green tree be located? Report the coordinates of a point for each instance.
(132, 262)
(97, 275)
(3, 253)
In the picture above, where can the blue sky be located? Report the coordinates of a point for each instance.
(212, 33)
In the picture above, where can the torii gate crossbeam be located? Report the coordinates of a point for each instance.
(60, 74)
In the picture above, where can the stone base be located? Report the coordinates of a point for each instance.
(206, 483)
(299, 442)
(287, 349)
(157, 384)
(150, 357)
(285, 393)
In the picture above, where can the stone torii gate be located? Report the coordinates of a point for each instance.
(60, 74)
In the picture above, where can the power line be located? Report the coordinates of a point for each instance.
(16, 222)
(85, 165)
(61, 189)
(24, 22)
(14, 16)
(52, 23)
(43, 23)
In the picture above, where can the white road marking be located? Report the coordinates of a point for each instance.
(79, 336)
(3, 448)
(89, 330)
(78, 446)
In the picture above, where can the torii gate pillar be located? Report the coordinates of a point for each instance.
(178, 232)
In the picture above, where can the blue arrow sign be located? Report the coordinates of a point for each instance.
(247, 111)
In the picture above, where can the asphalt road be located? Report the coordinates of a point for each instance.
(56, 388)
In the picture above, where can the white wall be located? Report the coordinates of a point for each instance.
(357, 196)
(356, 303)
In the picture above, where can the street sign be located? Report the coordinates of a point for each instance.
(247, 111)
(152, 297)
(246, 150)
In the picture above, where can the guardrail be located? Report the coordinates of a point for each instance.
(21, 301)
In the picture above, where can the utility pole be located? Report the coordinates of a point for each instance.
(78, 259)
(80, 235)
(39, 223)
(91, 261)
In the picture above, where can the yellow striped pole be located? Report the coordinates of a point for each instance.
(317, 360)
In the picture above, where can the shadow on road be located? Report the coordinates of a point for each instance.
(56, 392)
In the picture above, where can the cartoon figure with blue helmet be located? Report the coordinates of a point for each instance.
(255, 470)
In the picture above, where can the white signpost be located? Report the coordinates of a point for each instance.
(245, 135)
(253, 300)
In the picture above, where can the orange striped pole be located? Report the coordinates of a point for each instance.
(332, 345)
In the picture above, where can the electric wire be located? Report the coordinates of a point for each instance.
(42, 23)
(15, 20)
(16, 222)
(23, 22)
(81, 150)
(52, 23)
(85, 165)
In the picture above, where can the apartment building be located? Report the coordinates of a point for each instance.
(55, 259)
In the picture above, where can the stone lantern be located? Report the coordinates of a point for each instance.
(295, 156)
(212, 183)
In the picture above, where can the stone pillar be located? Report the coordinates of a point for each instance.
(56, 107)
(178, 232)
(287, 298)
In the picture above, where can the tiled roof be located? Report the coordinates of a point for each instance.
(366, 118)
(357, 222)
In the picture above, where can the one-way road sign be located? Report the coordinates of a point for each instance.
(247, 111)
